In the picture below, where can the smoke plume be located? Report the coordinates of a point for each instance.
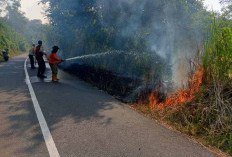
(158, 27)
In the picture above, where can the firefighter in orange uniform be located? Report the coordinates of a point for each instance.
(53, 63)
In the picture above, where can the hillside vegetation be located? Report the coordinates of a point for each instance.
(12, 40)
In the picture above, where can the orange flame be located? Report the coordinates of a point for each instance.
(182, 96)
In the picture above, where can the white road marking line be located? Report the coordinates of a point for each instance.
(53, 152)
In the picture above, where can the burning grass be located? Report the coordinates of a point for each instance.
(198, 111)
(204, 109)
(179, 97)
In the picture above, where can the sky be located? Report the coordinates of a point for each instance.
(213, 5)
(34, 11)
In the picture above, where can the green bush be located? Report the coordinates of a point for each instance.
(215, 98)
(12, 40)
(217, 58)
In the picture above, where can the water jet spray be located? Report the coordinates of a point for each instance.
(87, 56)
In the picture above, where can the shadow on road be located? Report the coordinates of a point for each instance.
(58, 101)
(19, 132)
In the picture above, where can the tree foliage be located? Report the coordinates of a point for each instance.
(32, 30)
(94, 26)
(11, 39)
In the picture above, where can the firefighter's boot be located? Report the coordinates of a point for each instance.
(57, 78)
(54, 78)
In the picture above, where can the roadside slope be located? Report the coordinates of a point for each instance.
(87, 122)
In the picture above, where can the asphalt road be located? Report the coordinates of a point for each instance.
(83, 121)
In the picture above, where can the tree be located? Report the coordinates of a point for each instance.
(95, 26)
(227, 9)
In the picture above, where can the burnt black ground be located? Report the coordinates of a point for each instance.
(120, 87)
(83, 121)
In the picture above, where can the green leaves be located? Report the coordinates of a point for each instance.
(230, 143)
(217, 57)
(11, 39)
